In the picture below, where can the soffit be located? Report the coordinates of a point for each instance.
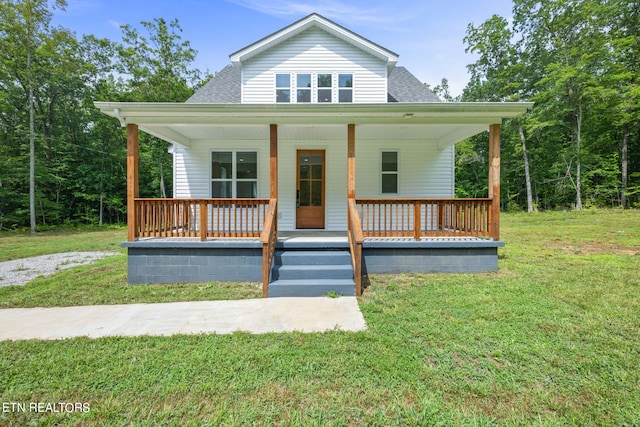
(185, 124)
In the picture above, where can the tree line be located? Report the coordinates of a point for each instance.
(579, 146)
(49, 79)
(62, 162)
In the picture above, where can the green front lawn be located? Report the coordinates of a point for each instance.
(553, 338)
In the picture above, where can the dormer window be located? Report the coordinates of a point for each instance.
(325, 87)
(283, 87)
(306, 88)
(303, 92)
(345, 88)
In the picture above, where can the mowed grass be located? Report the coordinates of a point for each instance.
(553, 338)
(16, 245)
(102, 282)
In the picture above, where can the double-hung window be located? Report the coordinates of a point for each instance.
(389, 172)
(325, 87)
(345, 87)
(283, 87)
(234, 174)
(303, 84)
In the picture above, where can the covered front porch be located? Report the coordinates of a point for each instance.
(381, 234)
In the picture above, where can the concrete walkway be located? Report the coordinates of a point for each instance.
(256, 316)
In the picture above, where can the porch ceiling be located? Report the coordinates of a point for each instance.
(186, 124)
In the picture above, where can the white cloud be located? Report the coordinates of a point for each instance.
(115, 24)
(361, 13)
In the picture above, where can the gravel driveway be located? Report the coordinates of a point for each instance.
(22, 271)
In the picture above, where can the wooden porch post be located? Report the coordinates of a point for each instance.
(494, 179)
(273, 161)
(132, 180)
(351, 161)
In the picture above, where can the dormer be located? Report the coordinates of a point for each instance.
(314, 60)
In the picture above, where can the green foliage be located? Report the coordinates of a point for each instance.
(80, 174)
(577, 59)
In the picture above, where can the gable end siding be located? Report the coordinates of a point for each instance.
(314, 51)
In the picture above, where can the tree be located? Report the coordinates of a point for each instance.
(623, 19)
(24, 26)
(499, 75)
(578, 60)
(569, 36)
(157, 68)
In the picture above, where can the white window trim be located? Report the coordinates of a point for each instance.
(234, 179)
(397, 172)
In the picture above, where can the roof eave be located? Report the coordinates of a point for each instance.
(387, 113)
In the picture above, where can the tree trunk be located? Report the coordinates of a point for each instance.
(625, 165)
(101, 208)
(578, 172)
(527, 175)
(32, 138)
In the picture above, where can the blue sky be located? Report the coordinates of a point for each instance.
(427, 34)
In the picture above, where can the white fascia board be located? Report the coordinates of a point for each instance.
(387, 113)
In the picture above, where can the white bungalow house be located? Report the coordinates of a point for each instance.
(307, 162)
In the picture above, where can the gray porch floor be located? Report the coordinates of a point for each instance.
(316, 236)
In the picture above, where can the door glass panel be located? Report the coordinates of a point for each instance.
(305, 193)
(305, 166)
(316, 193)
(316, 162)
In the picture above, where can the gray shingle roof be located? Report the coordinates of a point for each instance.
(405, 87)
(225, 88)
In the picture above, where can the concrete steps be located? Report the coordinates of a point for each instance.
(311, 273)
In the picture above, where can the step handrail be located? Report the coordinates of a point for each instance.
(268, 238)
(355, 243)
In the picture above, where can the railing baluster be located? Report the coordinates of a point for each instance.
(424, 217)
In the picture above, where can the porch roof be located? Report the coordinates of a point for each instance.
(441, 122)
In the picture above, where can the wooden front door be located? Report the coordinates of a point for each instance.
(310, 189)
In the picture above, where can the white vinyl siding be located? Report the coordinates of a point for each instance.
(192, 167)
(317, 52)
(424, 169)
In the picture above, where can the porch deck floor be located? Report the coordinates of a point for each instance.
(315, 237)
